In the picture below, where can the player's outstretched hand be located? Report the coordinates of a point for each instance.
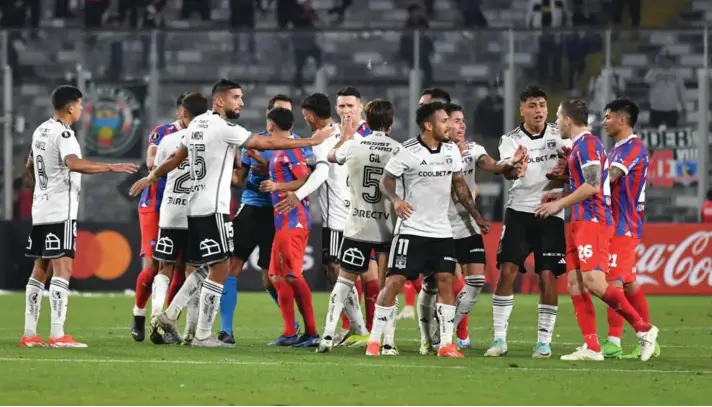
(289, 202)
(268, 186)
(322, 134)
(139, 186)
(483, 224)
(520, 154)
(403, 209)
(255, 155)
(551, 197)
(128, 168)
(547, 209)
(566, 151)
(522, 168)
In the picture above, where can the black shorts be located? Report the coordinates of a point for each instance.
(355, 255)
(52, 240)
(524, 233)
(171, 243)
(209, 239)
(254, 227)
(470, 250)
(412, 256)
(330, 244)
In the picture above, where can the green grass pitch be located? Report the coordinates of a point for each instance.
(115, 370)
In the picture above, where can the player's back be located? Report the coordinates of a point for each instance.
(628, 193)
(178, 184)
(587, 150)
(461, 221)
(371, 218)
(286, 166)
(152, 196)
(56, 192)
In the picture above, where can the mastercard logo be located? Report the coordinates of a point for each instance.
(105, 255)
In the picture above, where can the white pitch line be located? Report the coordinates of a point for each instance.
(357, 364)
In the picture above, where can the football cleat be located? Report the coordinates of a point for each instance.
(156, 336)
(542, 351)
(226, 337)
(389, 350)
(426, 349)
(307, 341)
(138, 329)
(32, 342)
(65, 341)
(373, 349)
(407, 312)
(647, 343)
(325, 345)
(449, 351)
(170, 339)
(285, 341)
(210, 342)
(498, 348)
(583, 353)
(636, 352)
(464, 343)
(610, 350)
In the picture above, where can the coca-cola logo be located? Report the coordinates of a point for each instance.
(688, 261)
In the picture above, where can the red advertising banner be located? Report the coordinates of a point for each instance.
(673, 259)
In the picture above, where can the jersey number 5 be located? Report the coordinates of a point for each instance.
(371, 179)
(197, 167)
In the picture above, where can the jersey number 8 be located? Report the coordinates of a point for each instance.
(41, 172)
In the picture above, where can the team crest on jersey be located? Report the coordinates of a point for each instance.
(66, 134)
(401, 262)
(551, 144)
(112, 119)
(155, 136)
(448, 160)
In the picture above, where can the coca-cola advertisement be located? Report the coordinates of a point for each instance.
(673, 259)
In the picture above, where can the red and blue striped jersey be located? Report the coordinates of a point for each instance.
(587, 150)
(363, 129)
(286, 166)
(628, 193)
(152, 196)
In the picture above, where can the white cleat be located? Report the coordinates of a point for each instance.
(325, 345)
(647, 343)
(497, 349)
(408, 312)
(167, 324)
(583, 353)
(389, 350)
(210, 342)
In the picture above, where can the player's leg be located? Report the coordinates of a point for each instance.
(442, 262)
(511, 254)
(409, 295)
(637, 299)
(461, 329)
(611, 347)
(33, 298)
(285, 294)
(371, 288)
(177, 280)
(293, 259)
(191, 315)
(158, 297)
(148, 223)
(389, 332)
(471, 255)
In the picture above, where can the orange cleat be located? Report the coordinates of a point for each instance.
(32, 342)
(373, 349)
(449, 351)
(65, 341)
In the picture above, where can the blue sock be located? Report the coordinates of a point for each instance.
(228, 304)
(273, 293)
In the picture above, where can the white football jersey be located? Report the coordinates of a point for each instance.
(427, 182)
(174, 205)
(525, 193)
(370, 218)
(211, 142)
(334, 193)
(463, 225)
(56, 194)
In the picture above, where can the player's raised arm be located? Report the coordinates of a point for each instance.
(507, 148)
(509, 166)
(70, 153)
(259, 142)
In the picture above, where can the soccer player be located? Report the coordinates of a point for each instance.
(469, 245)
(627, 174)
(370, 222)
(587, 252)
(288, 169)
(255, 222)
(330, 180)
(210, 148)
(56, 161)
(172, 240)
(430, 168)
(524, 233)
(148, 214)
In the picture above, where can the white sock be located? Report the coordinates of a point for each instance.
(352, 308)
(446, 314)
(191, 317)
(468, 296)
(389, 332)
(501, 311)
(426, 312)
(547, 320)
(58, 299)
(210, 296)
(612, 339)
(139, 312)
(33, 303)
(158, 293)
(381, 317)
(190, 288)
(341, 290)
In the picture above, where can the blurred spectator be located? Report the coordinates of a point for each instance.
(339, 10)
(202, 7)
(22, 199)
(242, 17)
(305, 42)
(417, 20)
(287, 11)
(578, 44)
(429, 8)
(633, 6)
(706, 210)
(14, 14)
(33, 6)
(597, 91)
(472, 15)
(544, 14)
(489, 114)
(116, 49)
(667, 92)
(61, 9)
(94, 13)
(129, 8)
(154, 18)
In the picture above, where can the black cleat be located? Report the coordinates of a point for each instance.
(156, 336)
(171, 339)
(225, 337)
(138, 330)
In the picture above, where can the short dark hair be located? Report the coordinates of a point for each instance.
(437, 93)
(576, 110)
(349, 91)
(451, 108)
(65, 95)
(626, 106)
(530, 92)
(223, 85)
(278, 98)
(194, 103)
(379, 114)
(319, 104)
(181, 97)
(283, 118)
(425, 113)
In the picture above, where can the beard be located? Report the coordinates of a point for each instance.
(232, 115)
